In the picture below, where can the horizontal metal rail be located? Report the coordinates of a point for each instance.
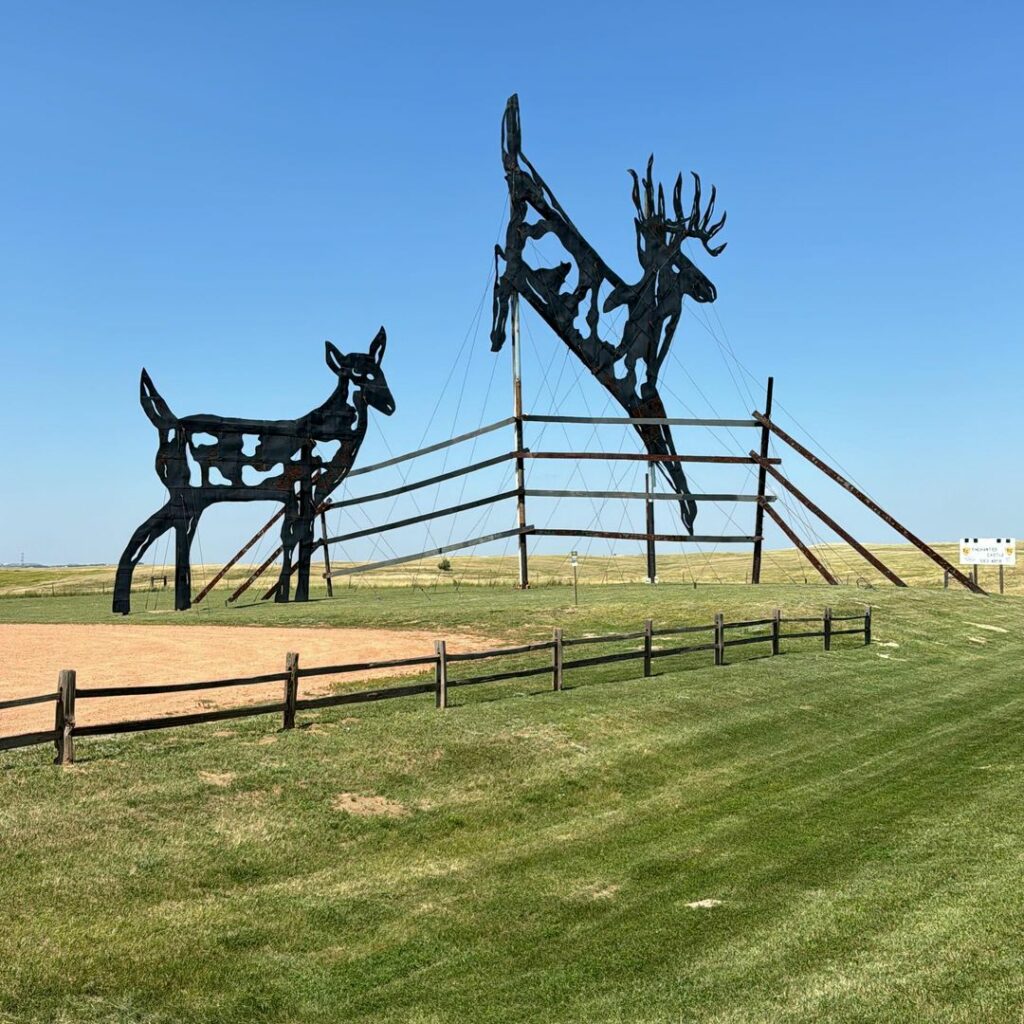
(680, 538)
(642, 495)
(745, 460)
(436, 514)
(472, 542)
(132, 691)
(642, 421)
(394, 492)
(432, 448)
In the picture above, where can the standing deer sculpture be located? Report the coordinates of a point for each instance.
(284, 455)
(654, 304)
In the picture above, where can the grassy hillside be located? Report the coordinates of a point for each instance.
(805, 838)
(712, 567)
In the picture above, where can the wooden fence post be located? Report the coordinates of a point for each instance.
(826, 629)
(648, 645)
(64, 718)
(719, 639)
(556, 661)
(776, 630)
(867, 625)
(441, 674)
(291, 688)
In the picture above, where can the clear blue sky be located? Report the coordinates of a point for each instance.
(210, 190)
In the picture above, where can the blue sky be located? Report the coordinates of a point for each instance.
(211, 190)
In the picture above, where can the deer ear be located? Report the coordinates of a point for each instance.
(378, 345)
(335, 360)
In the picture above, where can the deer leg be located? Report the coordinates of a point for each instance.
(141, 540)
(184, 530)
(288, 541)
(305, 529)
(304, 526)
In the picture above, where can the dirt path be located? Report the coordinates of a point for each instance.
(32, 655)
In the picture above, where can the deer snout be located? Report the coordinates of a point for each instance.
(704, 291)
(380, 399)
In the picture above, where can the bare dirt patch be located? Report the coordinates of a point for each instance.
(368, 806)
(221, 779)
(102, 655)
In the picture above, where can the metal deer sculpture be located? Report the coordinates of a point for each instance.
(283, 453)
(654, 304)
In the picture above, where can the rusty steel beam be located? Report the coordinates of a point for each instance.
(832, 524)
(641, 457)
(766, 422)
(681, 538)
(800, 545)
(762, 478)
(238, 554)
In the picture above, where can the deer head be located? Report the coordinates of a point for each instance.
(659, 238)
(364, 371)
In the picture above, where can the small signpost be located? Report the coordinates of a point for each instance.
(1001, 551)
(575, 591)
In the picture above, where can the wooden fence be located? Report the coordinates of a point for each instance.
(66, 729)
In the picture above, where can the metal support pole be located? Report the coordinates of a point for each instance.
(327, 552)
(517, 412)
(762, 480)
(652, 562)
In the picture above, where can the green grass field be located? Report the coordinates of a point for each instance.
(857, 817)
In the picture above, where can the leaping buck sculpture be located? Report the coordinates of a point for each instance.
(654, 304)
(303, 482)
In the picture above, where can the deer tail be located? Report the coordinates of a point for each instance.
(153, 405)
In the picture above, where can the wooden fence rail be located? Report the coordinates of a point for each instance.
(66, 729)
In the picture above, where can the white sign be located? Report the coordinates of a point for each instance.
(988, 551)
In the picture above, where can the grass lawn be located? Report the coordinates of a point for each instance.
(857, 818)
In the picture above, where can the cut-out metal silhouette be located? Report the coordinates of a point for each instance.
(282, 466)
(654, 304)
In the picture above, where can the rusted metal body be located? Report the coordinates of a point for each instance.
(653, 304)
(765, 420)
(762, 479)
(284, 453)
(833, 525)
(800, 546)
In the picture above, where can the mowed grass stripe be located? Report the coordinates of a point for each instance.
(858, 816)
